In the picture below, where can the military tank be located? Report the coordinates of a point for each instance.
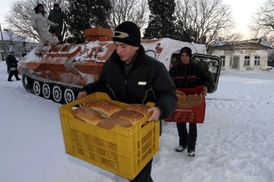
(60, 72)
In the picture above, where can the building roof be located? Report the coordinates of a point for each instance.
(261, 41)
(11, 36)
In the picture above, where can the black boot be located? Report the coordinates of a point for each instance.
(17, 77)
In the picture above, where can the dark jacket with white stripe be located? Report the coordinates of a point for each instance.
(148, 81)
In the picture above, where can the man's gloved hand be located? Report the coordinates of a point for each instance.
(56, 24)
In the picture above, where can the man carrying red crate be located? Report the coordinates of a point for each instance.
(187, 74)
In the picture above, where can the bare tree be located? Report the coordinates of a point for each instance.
(263, 20)
(204, 19)
(20, 14)
(129, 10)
(19, 17)
(230, 37)
(233, 37)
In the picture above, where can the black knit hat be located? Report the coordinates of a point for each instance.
(128, 33)
(186, 50)
(56, 5)
(38, 5)
(36, 9)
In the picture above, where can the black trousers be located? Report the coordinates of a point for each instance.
(144, 175)
(57, 31)
(187, 139)
(13, 73)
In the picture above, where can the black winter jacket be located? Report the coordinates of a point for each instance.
(11, 62)
(148, 81)
(57, 17)
(190, 76)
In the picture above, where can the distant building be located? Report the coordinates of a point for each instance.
(9, 41)
(242, 55)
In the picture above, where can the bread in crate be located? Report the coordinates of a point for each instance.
(188, 101)
(141, 108)
(104, 107)
(121, 150)
(87, 115)
(190, 106)
(106, 114)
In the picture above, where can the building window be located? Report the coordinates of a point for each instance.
(247, 61)
(223, 60)
(257, 61)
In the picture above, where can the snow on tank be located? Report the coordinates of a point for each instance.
(60, 72)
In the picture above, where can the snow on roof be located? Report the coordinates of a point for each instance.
(262, 41)
(217, 43)
(11, 36)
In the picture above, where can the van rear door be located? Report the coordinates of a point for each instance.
(211, 65)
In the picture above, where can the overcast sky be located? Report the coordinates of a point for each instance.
(242, 11)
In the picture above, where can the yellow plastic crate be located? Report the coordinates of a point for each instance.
(123, 151)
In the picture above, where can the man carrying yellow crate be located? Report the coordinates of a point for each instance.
(131, 76)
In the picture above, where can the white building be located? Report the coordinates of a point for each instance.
(9, 41)
(242, 55)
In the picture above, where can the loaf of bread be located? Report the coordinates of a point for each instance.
(141, 108)
(194, 100)
(106, 114)
(108, 123)
(104, 107)
(130, 115)
(87, 115)
(181, 98)
(180, 94)
(188, 101)
(126, 117)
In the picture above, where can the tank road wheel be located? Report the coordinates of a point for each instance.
(69, 95)
(36, 88)
(57, 94)
(46, 90)
(26, 81)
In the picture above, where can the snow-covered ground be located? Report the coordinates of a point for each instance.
(235, 143)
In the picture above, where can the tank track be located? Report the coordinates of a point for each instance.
(29, 80)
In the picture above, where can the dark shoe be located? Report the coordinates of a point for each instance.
(60, 42)
(191, 154)
(18, 79)
(38, 54)
(180, 149)
(10, 80)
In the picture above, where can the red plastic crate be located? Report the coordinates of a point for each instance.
(189, 115)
